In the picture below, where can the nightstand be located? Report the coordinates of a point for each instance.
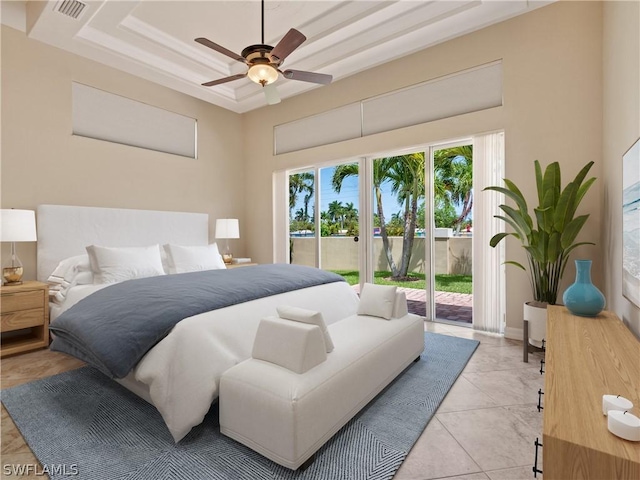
(236, 265)
(24, 314)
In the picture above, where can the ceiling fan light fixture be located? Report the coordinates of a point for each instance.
(263, 74)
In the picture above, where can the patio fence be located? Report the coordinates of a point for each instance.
(452, 255)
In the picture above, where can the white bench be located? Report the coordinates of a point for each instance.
(286, 405)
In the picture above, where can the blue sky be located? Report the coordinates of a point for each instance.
(348, 194)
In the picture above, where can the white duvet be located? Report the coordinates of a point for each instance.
(181, 374)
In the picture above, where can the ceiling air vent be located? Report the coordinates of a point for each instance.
(71, 8)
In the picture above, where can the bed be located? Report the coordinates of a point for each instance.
(180, 374)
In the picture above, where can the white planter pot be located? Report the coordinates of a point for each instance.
(536, 314)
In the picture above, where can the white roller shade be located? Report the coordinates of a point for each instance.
(468, 91)
(465, 92)
(105, 116)
(330, 127)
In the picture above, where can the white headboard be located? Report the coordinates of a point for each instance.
(65, 231)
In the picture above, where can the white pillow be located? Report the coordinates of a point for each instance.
(66, 275)
(307, 316)
(377, 300)
(116, 264)
(293, 345)
(193, 259)
(400, 308)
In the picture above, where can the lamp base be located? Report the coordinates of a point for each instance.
(12, 275)
(227, 258)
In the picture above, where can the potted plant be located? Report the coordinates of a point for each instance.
(548, 236)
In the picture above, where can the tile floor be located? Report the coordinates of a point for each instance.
(484, 429)
(486, 425)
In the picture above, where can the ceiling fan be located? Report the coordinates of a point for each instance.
(264, 62)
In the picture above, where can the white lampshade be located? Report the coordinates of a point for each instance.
(227, 228)
(18, 226)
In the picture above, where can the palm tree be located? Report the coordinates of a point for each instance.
(299, 183)
(350, 212)
(407, 182)
(454, 175)
(406, 175)
(336, 210)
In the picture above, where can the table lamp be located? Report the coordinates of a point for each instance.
(16, 226)
(227, 228)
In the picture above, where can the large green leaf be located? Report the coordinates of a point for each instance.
(539, 183)
(517, 197)
(522, 205)
(562, 215)
(511, 262)
(572, 230)
(495, 240)
(535, 253)
(540, 218)
(582, 174)
(543, 244)
(555, 247)
(583, 190)
(516, 216)
(519, 234)
(550, 183)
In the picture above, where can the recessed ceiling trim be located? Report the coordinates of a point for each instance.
(152, 40)
(167, 67)
(157, 36)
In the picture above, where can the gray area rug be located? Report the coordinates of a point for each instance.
(80, 418)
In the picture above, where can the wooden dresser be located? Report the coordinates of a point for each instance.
(24, 314)
(585, 359)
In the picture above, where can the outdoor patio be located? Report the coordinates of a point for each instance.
(456, 307)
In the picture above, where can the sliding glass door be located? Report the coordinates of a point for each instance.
(340, 220)
(302, 224)
(407, 218)
(324, 219)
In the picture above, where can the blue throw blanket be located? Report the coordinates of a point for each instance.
(113, 328)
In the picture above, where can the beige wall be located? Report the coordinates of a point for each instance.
(552, 60)
(621, 66)
(43, 163)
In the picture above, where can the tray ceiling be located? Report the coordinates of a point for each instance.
(154, 39)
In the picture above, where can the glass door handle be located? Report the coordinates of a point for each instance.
(356, 239)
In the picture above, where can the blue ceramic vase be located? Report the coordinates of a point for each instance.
(583, 298)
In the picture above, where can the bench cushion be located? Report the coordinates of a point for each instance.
(377, 300)
(307, 316)
(293, 345)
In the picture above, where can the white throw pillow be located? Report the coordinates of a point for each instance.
(377, 300)
(117, 264)
(66, 275)
(193, 259)
(295, 346)
(307, 316)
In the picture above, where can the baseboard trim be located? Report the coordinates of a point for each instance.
(513, 333)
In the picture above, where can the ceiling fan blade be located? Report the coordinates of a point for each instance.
(321, 78)
(292, 40)
(224, 80)
(208, 43)
(271, 94)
